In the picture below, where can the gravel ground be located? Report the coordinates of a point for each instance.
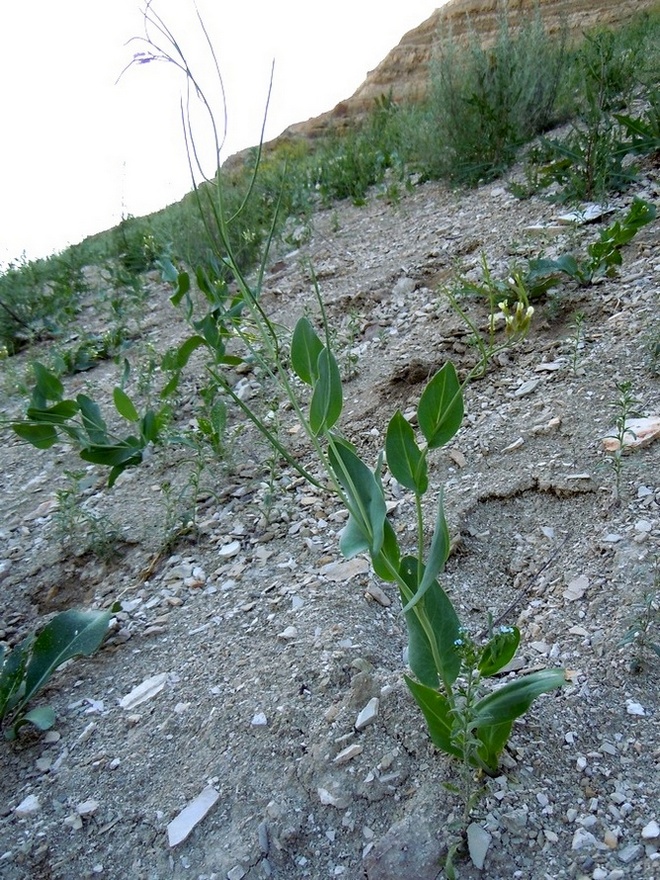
(260, 645)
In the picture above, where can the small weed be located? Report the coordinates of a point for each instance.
(643, 634)
(653, 348)
(577, 340)
(626, 407)
(603, 256)
(79, 529)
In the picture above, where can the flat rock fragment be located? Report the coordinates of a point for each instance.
(144, 691)
(344, 571)
(190, 816)
(368, 714)
(588, 213)
(638, 433)
(651, 830)
(28, 806)
(576, 588)
(478, 842)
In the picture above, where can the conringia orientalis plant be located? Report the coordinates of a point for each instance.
(465, 719)
(448, 668)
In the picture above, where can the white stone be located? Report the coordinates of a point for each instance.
(88, 807)
(343, 571)
(651, 830)
(287, 634)
(28, 806)
(638, 433)
(576, 588)
(478, 842)
(259, 720)
(526, 388)
(180, 827)
(583, 839)
(348, 754)
(144, 691)
(588, 213)
(633, 708)
(227, 551)
(368, 714)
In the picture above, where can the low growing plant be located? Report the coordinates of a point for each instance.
(626, 407)
(603, 256)
(50, 418)
(643, 634)
(25, 669)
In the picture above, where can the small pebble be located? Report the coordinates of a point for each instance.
(368, 714)
(633, 708)
(631, 853)
(651, 830)
(287, 634)
(583, 839)
(28, 806)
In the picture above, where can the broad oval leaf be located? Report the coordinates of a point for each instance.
(177, 358)
(93, 423)
(514, 698)
(124, 405)
(433, 629)
(492, 740)
(366, 502)
(499, 651)
(182, 287)
(386, 563)
(112, 455)
(436, 709)
(57, 414)
(440, 409)
(48, 386)
(353, 539)
(405, 459)
(327, 399)
(438, 555)
(40, 436)
(305, 350)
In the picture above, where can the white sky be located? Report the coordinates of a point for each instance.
(78, 150)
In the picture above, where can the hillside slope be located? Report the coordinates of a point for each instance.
(404, 71)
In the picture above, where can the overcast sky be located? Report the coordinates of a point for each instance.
(79, 150)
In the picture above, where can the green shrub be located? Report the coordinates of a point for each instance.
(486, 102)
(38, 298)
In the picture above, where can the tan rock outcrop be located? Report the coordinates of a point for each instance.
(404, 72)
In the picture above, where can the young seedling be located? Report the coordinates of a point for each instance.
(576, 340)
(26, 669)
(643, 634)
(626, 407)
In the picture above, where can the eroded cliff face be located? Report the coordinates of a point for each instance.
(404, 71)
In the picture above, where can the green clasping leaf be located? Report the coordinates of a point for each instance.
(305, 350)
(327, 399)
(404, 457)
(440, 410)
